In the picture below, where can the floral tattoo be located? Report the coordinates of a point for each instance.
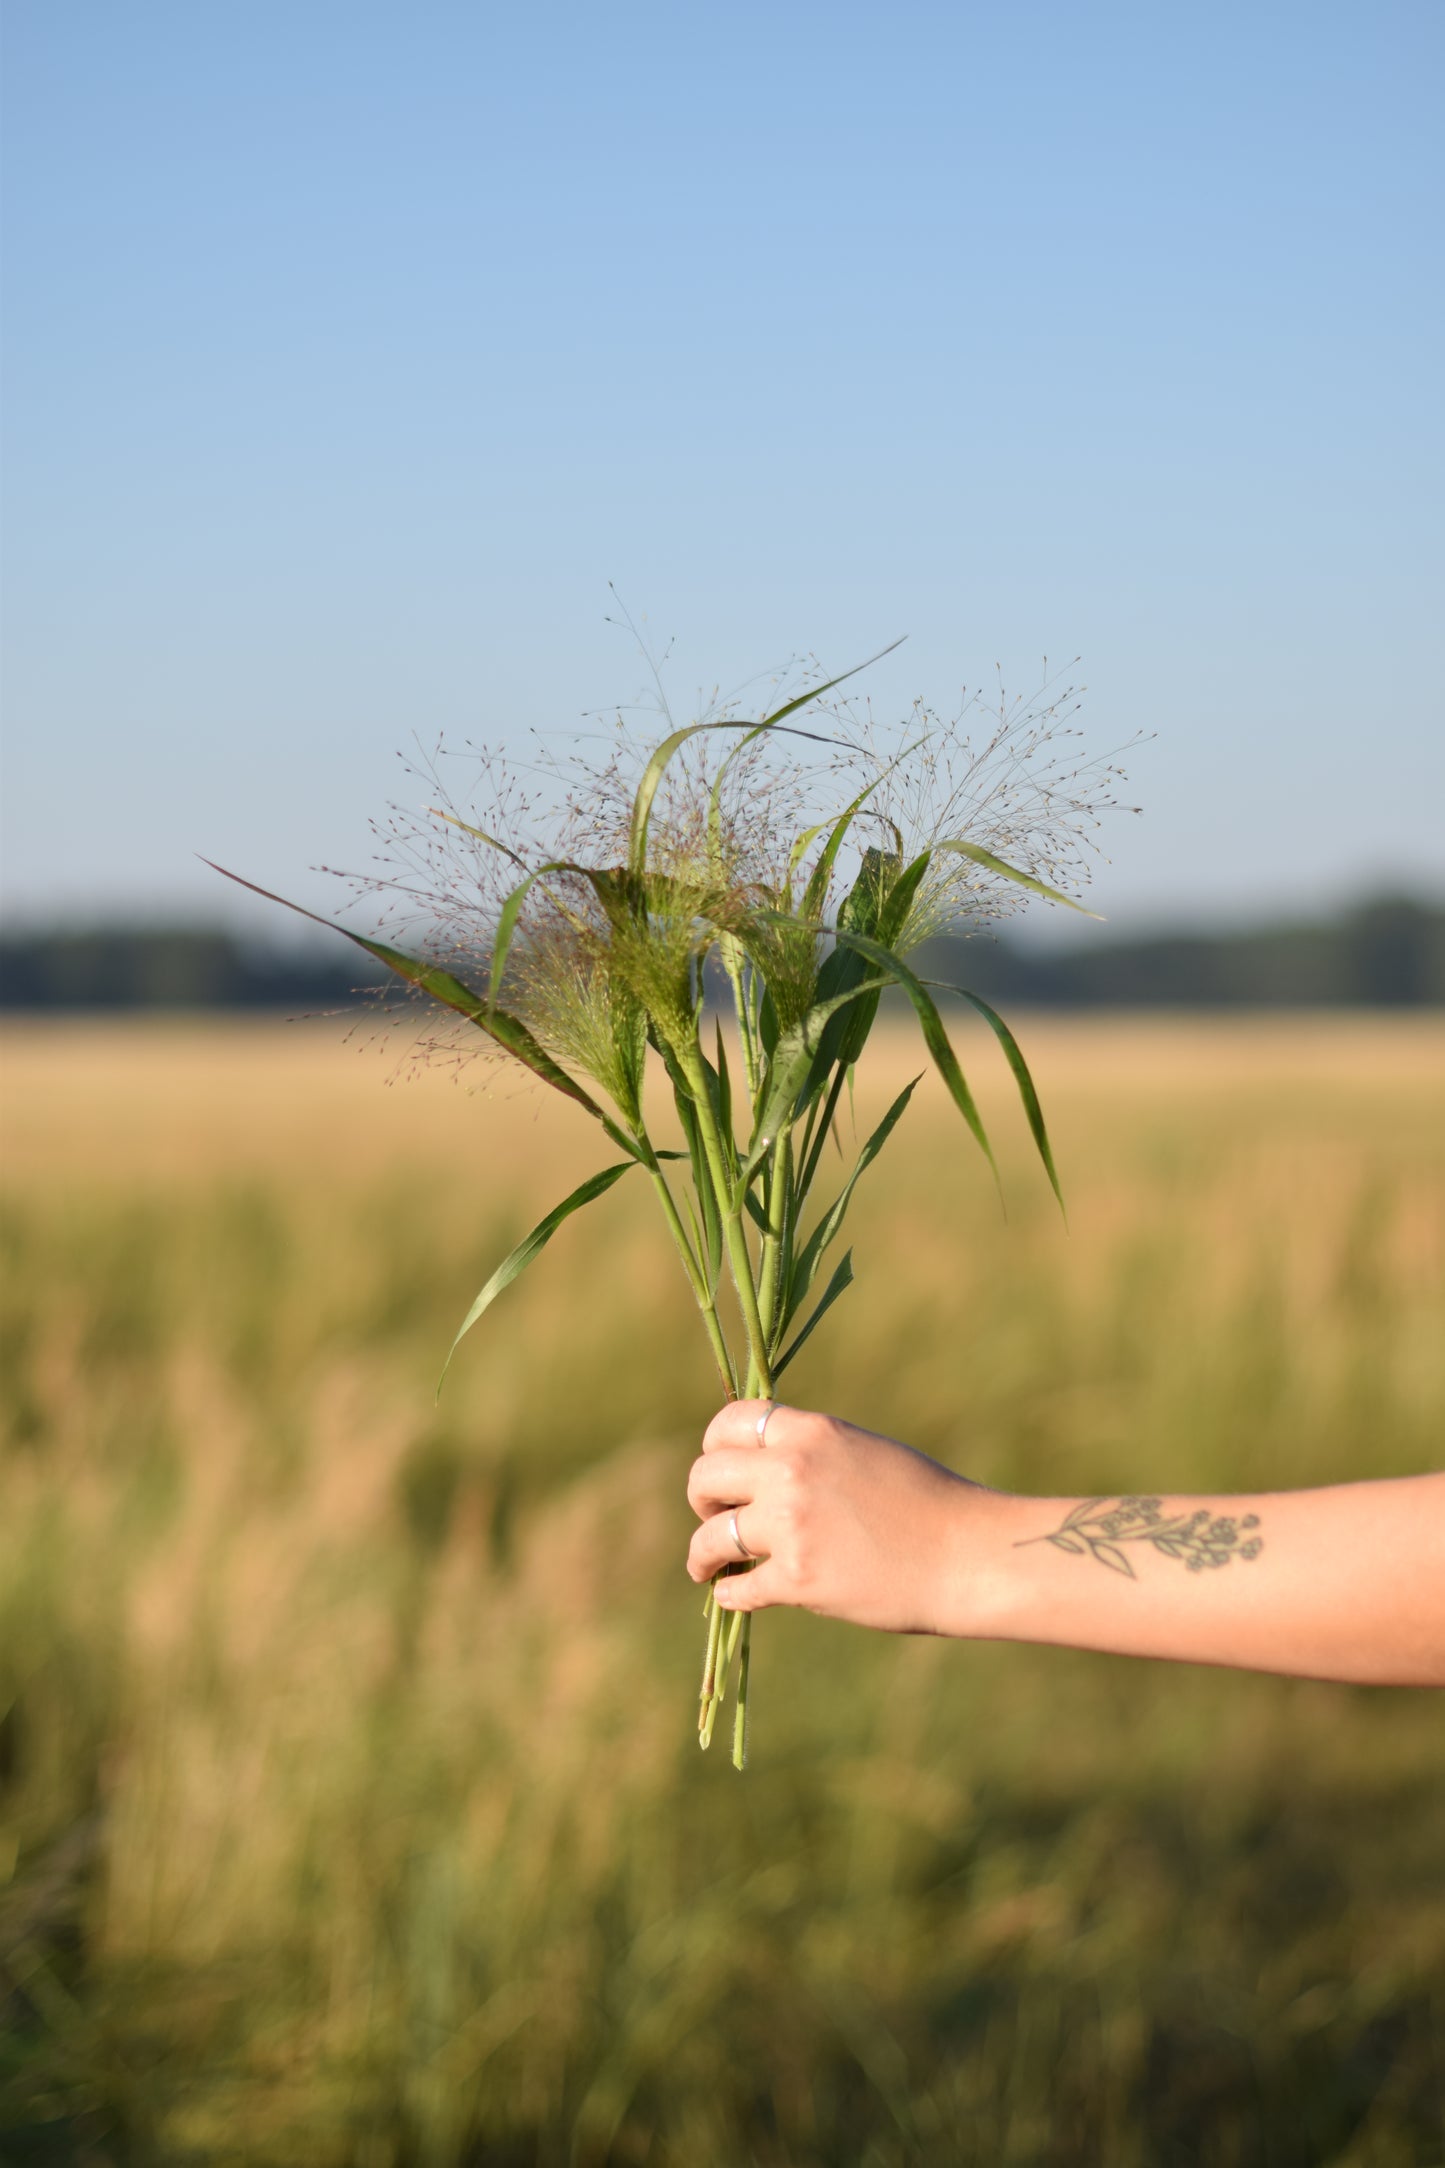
(1098, 1529)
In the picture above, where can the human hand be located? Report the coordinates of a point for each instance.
(844, 1522)
(855, 1526)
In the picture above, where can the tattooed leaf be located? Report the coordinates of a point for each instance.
(1191, 1539)
(1108, 1555)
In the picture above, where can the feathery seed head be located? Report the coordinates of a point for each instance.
(746, 857)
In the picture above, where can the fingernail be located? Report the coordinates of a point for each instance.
(724, 1599)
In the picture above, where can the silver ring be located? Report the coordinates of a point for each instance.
(764, 1419)
(743, 1551)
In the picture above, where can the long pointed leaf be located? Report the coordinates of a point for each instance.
(934, 1035)
(604, 884)
(821, 1240)
(788, 1071)
(860, 911)
(899, 901)
(507, 1030)
(653, 773)
(481, 834)
(1013, 1055)
(816, 891)
(796, 856)
(819, 690)
(511, 911)
(981, 857)
(517, 1260)
(841, 1279)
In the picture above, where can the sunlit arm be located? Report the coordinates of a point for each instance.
(1340, 1583)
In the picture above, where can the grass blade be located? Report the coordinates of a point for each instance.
(893, 916)
(789, 1067)
(481, 834)
(652, 774)
(821, 1240)
(815, 894)
(796, 856)
(981, 857)
(516, 1262)
(934, 1035)
(509, 914)
(507, 1030)
(819, 690)
(1013, 1055)
(841, 1279)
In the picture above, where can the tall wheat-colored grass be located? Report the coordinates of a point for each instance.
(346, 1815)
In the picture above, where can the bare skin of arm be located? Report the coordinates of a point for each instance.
(1340, 1583)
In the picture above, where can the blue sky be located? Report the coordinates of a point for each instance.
(350, 350)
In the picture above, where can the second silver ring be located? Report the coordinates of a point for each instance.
(742, 1549)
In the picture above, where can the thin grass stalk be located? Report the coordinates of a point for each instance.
(727, 1649)
(739, 1641)
(712, 1325)
(760, 1380)
(779, 1211)
(732, 956)
(708, 1698)
(740, 1712)
(817, 1133)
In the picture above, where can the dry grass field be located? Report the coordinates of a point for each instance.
(350, 1810)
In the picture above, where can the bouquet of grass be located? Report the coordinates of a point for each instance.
(688, 878)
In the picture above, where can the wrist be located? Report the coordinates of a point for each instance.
(980, 1595)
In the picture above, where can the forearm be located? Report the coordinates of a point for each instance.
(1346, 1583)
(1343, 1583)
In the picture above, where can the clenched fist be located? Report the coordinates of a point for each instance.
(842, 1522)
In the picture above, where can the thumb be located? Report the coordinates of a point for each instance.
(755, 1591)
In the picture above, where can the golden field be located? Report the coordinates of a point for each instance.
(350, 1805)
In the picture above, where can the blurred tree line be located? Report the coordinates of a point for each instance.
(171, 967)
(1388, 952)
